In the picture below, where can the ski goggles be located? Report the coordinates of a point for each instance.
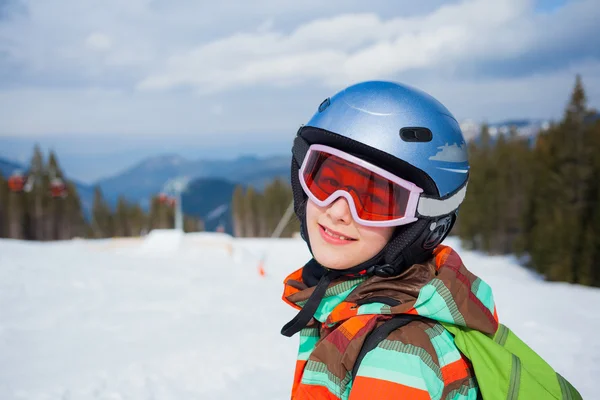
(375, 196)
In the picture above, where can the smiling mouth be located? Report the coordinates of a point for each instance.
(336, 235)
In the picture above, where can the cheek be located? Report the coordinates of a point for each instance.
(376, 238)
(312, 211)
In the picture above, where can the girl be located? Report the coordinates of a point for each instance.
(378, 174)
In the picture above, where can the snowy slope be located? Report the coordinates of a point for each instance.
(188, 317)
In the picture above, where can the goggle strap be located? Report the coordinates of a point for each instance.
(435, 207)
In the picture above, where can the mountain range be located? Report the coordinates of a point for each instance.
(8, 167)
(140, 182)
(525, 128)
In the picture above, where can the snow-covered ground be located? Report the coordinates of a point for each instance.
(189, 317)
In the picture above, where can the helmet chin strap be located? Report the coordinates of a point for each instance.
(308, 311)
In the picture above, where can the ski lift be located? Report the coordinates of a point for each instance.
(163, 198)
(58, 189)
(16, 182)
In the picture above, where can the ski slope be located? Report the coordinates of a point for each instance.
(188, 317)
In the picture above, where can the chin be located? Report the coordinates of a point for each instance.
(332, 262)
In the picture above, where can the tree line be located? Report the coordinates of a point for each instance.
(257, 214)
(539, 200)
(42, 204)
(129, 219)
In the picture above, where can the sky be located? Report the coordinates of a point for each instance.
(227, 77)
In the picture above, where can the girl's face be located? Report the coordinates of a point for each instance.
(337, 241)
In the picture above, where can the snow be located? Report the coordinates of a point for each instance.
(188, 317)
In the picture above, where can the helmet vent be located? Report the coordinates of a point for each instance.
(416, 135)
(324, 104)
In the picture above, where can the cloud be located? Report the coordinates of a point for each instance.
(167, 67)
(217, 109)
(45, 43)
(98, 41)
(473, 36)
(270, 114)
(265, 26)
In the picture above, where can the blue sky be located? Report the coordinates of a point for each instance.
(226, 77)
(549, 5)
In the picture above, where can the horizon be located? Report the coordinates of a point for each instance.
(113, 164)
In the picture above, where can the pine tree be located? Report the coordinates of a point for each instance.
(57, 205)
(496, 197)
(138, 220)
(169, 213)
(192, 224)
(76, 223)
(251, 213)
(277, 198)
(589, 252)
(16, 216)
(153, 214)
(161, 215)
(539, 233)
(474, 220)
(102, 220)
(237, 204)
(561, 204)
(121, 220)
(37, 206)
(516, 165)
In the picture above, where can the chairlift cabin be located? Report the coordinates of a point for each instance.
(58, 189)
(16, 182)
(162, 198)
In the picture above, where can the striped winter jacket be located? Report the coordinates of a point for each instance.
(417, 361)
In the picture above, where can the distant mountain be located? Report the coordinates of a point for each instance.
(148, 178)
(525, 128)
(86, 196)
(210, 200)
(8, 167)
(592, 118)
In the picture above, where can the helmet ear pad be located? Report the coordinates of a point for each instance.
(439, 230)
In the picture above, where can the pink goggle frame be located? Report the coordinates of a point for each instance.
(409, 203)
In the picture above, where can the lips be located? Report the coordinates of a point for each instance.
(336, 235)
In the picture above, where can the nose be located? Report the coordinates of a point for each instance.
(339, 211)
